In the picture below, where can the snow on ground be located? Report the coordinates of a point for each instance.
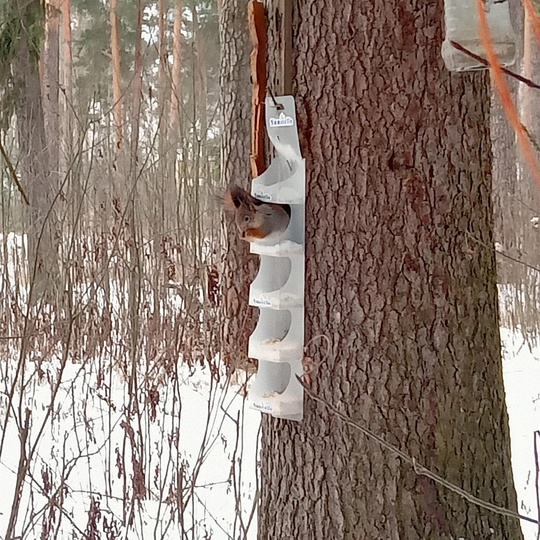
(521, 367)
(195, 430)
(195, 419)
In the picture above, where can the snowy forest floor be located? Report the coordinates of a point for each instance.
(86, 457)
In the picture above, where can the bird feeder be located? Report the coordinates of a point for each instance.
(278, 290)
(462, 27)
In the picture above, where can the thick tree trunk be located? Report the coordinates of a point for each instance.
(237, 267)
(34, 157)
(400, 277)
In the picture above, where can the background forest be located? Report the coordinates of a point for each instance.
(111, 261)
(110, 160)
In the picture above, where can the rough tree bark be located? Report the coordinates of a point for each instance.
(34, 154)
(400, 277)
(238, 267)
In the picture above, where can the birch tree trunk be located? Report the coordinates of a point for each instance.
(401, 280)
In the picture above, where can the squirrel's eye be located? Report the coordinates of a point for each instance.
(246, 219)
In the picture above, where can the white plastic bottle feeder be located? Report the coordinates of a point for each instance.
(463, 28)
(278, 289)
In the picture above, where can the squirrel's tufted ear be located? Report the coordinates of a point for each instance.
(230, 199)
(229, 202)
(236, 196)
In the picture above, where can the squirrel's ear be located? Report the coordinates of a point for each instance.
(229, 202)
(238, 195)
(228, 199)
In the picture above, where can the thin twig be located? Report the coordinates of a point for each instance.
(519, 261)
(13, 173)
(503, 254)
(532, 140)
(486, 63)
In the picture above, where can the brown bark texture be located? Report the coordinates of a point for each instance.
(238, 267)
(400, 278)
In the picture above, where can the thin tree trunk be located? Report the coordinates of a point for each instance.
(137, 86)
(67, 80)
(176, 82)
(527, 198)
(531, 61)
(201, 84)
(507, 208)
(116, 75)
(200, 128)
(175, 128)
(51, 77)
(400, 279)
(164, 198)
